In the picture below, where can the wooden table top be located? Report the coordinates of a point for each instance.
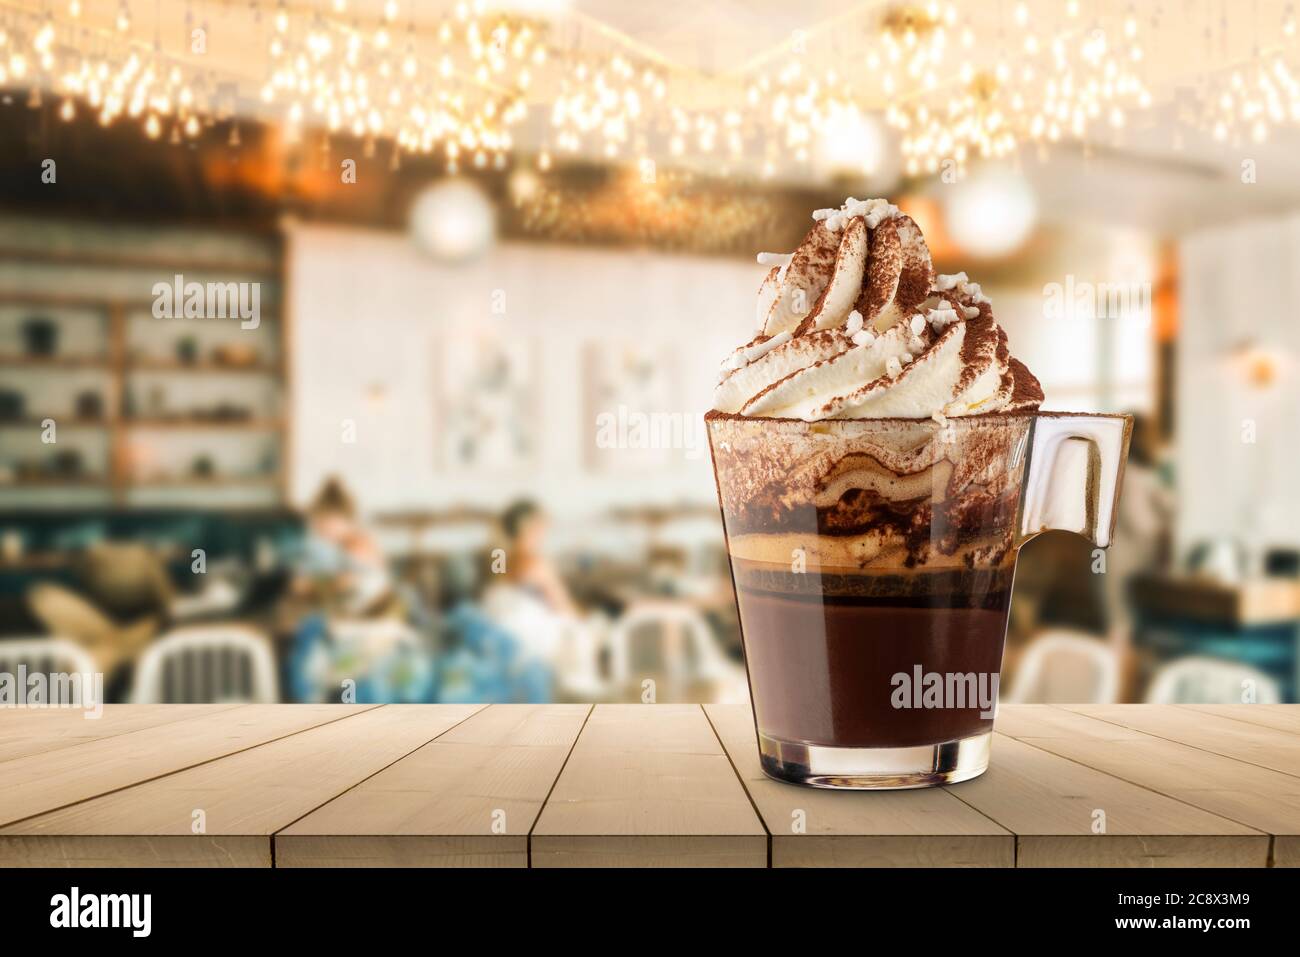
(628, 785)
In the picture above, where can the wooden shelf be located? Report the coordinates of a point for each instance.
(201, 366)
(120, 362)
(54, 362)
(89, 481)
(132, 307)
(103, 260)
(211, 481)
(234, 425)
(60, 421)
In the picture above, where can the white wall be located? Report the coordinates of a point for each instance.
(368, 309)
(1239, 284)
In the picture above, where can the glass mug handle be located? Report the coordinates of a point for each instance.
(1073, 475)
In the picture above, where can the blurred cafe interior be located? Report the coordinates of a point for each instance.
(430, 429)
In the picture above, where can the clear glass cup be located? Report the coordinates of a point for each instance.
(873, 561)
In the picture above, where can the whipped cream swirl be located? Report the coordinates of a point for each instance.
(855, 324)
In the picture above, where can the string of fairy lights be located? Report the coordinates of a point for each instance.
(476, 84)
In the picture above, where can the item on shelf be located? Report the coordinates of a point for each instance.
(237, 355)
(225, 412)
(40, 336)
(12, 404)
(187, 350)
(203, 467)
(157, 403)
(90, 405)
(66, 463)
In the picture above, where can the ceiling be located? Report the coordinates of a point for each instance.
(1157, 172)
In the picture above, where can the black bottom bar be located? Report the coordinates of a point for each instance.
(610, 909)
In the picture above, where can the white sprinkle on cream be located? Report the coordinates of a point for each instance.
(853, 323)
(893, 367)
(873, 212)
(775, 259)
(941, 319)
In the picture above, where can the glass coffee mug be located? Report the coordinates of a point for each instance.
(873, 561)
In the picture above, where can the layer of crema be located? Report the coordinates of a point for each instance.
(948, 586)
(877, 552)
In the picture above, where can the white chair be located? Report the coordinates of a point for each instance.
(1063, 667)
(1202, 680)
(207, 663)
(687, 651)
(45, 656)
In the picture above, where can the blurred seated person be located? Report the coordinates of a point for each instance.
(122, 599)
(527, 563)
(526, 594)
(352, 624)
(341, 565)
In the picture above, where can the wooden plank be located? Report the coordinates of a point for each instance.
(648, 786)
(1282, 717)
(244, 798)
(920, 828)
(1251, 743)
(1266, 800)
(1066, 814)
(34, 730)
(134, 850)
(42, 782)
(466, 799)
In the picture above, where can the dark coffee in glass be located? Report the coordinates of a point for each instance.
(873, 563)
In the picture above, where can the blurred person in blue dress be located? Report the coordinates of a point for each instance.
(508, 648)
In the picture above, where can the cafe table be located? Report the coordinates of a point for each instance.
(613, 785)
